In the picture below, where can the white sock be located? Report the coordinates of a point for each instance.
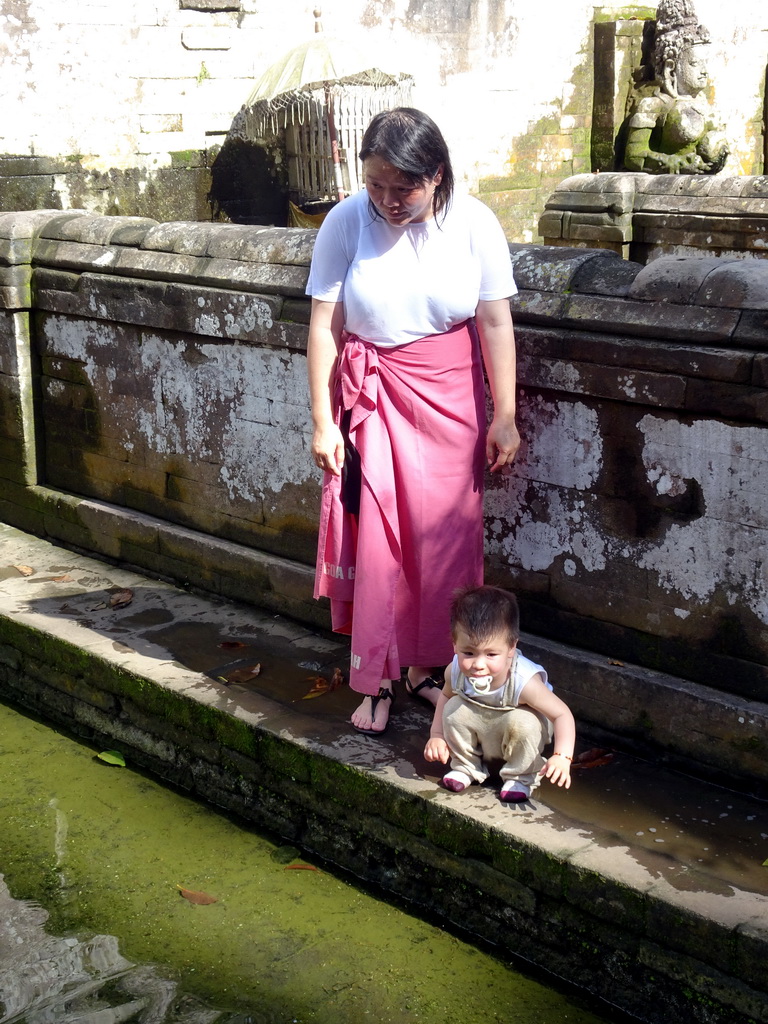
(456, 780)
(513, 786)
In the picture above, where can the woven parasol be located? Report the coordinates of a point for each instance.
(325, 71)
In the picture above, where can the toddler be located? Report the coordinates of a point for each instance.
(497, 704)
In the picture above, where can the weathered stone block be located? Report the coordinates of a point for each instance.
(705, 325)
(614, 203)
(737, 284)
(296, 310)
(637, 386)
(290, 246)
(210, 38)
(74, 255)
(15, 287)
(550, 269)
(15, 250)
(14, 346)
(672, 279)
(600, 277)
(729, 400)
(597, 229)
(255, 277)
(760, 371)
(752, 330)
(210, 5)
(552, 224)
(122, 730)
(161, 266)
(92, 230)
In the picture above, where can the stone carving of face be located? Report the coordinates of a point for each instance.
(691, 71)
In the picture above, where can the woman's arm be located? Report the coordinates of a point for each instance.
(325, 327)
(497, 342)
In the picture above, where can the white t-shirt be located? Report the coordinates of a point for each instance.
(401, 283)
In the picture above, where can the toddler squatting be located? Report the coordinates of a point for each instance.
(496, 704)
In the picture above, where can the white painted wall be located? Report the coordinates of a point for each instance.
(125, 84)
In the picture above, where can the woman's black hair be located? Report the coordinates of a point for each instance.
(411, 141)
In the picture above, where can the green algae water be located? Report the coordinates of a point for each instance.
(94, 926)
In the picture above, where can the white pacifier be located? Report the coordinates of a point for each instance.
(482, 684)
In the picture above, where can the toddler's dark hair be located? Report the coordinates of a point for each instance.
(483, 612)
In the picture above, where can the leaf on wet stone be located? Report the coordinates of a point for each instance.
(232, 645)
(25, 570)
(112, 757)
(320, 684)
(66, 578)
(593, 758)
(201, 899)
(241, 675)
(300, 867)
(121, 598)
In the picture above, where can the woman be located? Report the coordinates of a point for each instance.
(401, 275)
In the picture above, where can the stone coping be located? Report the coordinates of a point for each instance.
(643, 887)
(748, 187)
(276, 260)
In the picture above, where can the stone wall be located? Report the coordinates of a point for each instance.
(153, 396)
(644, 216)
(122, 110)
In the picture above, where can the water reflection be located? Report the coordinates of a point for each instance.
(104, 851)
(45, 979)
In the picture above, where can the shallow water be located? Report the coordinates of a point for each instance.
(94, 929)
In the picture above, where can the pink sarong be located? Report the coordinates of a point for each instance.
(418, 423)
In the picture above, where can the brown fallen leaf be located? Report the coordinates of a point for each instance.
(120, 598)
(320, 685)
(612, 661)
(242, 675)
(199, 898)
(300, 867)
(25, 570)
(231, 645)
(594, 758)
(66, 578)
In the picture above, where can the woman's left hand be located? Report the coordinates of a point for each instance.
(502, 443)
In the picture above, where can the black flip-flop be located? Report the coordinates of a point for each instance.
(430, 683)
(383, 694)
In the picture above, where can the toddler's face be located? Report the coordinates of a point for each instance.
(490, 657)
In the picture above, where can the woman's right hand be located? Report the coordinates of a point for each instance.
(328, 448)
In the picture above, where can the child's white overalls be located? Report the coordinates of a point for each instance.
(480, 727)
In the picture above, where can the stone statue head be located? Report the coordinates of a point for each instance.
(678, 58)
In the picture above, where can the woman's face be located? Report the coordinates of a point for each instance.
(395, 197)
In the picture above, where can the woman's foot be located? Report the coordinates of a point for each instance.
(456, 781)
(372, 715)
(419, 683)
